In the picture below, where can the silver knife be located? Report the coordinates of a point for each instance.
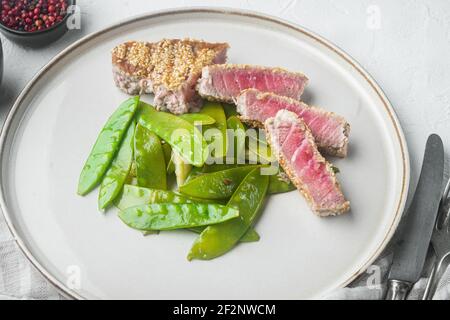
(417, 228)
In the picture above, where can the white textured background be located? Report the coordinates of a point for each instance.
(404, 44)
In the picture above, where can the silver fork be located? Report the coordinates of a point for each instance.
(441, 244)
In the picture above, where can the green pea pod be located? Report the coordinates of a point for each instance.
(220, 167)
(149, 159)
(261, 151)
(195, 172)
(182, 136)
(118, 173)
(198, 119)
(136, 196)
(219, 239)
(229, 109)
(215, 111)
(106, 146)
(280, 183)
(170, 216)
(238, 131)
(132, 196)
(167, 150)
(250, 236)
(216, 185)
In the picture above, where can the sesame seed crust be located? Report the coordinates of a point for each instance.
(169, 62)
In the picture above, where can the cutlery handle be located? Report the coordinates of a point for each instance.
(438, 271)
(429, 290)
(398, 290)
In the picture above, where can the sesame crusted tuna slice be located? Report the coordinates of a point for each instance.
(129, 71)
(294, 146)
(169, 68)
(330, 131)
(226, 81)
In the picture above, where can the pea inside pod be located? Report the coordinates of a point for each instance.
(217, 240)
(118, 173)
(106, 146)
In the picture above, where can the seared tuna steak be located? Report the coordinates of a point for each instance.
(168, 68)
(294, 146)
(225, 82)
(330, 131)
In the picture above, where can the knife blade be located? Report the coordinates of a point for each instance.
(415, 234)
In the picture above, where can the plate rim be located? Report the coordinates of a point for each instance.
(4, 134)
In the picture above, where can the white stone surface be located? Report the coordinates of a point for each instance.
(404, 44)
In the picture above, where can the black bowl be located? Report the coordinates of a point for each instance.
(38, 38)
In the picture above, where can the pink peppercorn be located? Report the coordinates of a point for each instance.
(32, 15)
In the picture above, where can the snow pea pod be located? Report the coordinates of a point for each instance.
(216, 185)
(182, 136)
(217, 240)
(280, 183)
(167, 150)
(238, 131)
(250, 236)
(106, 146)
(149, 159)
(261, 151)
(198, 118)
(195, 172)
(135, 196)
(169, 216)
(215, 111)
(220, 167)
(117, 174)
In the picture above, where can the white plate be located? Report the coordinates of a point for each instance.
(55, 121)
